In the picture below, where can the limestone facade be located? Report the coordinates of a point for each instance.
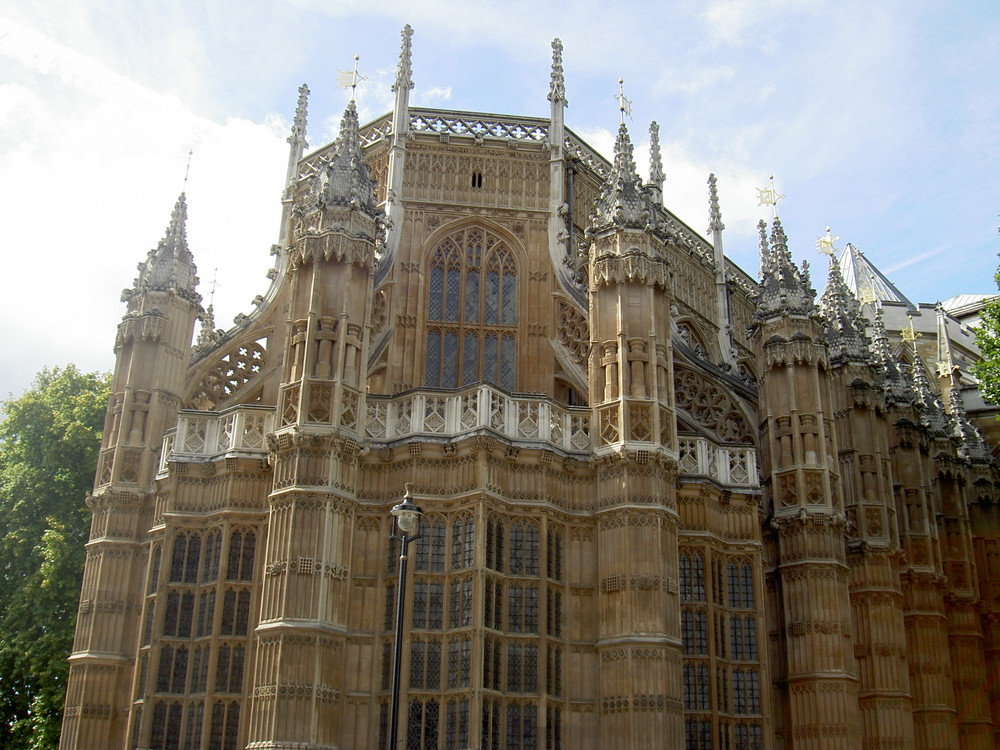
(666, 504)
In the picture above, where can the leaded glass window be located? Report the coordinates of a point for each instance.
(743, 638)
(229, 669)
(213, 552)
(523, 558)
(242, 546)
(178, 614)
(494, 543)
(554, 554)
(422, 725)
(696, 687)
(235, 612)
(460, 603)
(740, 580)
(694, 632)
(199, 669)
(166, 726)
(522, 668)
(425, 665)
(428, 604)
(462, 543)
(154, 576)
(457, 729)
(692, 569)
(172, 673)
(192, 733)
(225, 725)
(553, 728)
(522, 726)
(697, 734)
(430, 545)
(553, 670)
(471, 311)
(185, 558)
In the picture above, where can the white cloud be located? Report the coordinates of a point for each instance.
(90, 192)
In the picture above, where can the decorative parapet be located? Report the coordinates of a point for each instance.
(203, 435)
(447, 414)
(700, 457)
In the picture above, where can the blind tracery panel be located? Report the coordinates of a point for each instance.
(471, 311)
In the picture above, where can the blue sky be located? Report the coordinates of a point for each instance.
(879, 119)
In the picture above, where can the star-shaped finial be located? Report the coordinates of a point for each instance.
(825, 243)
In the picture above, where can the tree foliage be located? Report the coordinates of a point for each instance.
(987, 369)
(49, 439)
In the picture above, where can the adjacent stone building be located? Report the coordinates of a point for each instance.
(667, 504)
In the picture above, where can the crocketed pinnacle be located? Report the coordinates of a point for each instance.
(404, 71)
(207, 333)
(557, 84)
(297, 137)
(170, 267)
(894, 384)
(623, 203)
(347, 181)
(785, 289)
(714, 213)
(655, 159)
(845, 332)
(765, 249)
(972, 445)
(932, 413)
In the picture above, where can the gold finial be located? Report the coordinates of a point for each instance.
(351, 78)
(624, 103)
(825, 243)
(910, 334)
(769, 196)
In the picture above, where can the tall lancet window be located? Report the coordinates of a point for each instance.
(471, 311)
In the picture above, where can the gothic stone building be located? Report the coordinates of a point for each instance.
(667, 505)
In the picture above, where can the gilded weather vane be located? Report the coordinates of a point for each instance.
(624, 103)
(825, 243)
(910, 334)
(769, 196)
(351, 78)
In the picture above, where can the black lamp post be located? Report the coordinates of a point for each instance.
(405, 524)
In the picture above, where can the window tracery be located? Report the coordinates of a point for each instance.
(225, 725)
(242, 549)
(471, 311)
(185, 557)
(231, 372)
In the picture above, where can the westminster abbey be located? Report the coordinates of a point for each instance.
(666, 503)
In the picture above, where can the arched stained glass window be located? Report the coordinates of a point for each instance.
(471, 311)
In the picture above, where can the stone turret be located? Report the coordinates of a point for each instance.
(314, 451)
(800, 464)
(631, 376)
(152, 349)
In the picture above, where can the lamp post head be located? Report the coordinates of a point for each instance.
(407, 513)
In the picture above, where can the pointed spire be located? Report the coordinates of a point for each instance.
(557, 84)
(932, 413)
(298, 134)
(170, 267)
(714, 213)
(404, 71)
(623, 203)
(973, 445)
(765, 249)
(656, 177)
(894, 384)
(346, 180)
(845, 331)
(206, 336)
(784, 287)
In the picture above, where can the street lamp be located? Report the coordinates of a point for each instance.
(405, 524)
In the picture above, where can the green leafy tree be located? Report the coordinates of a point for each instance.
(49, 439)
(987, 369)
